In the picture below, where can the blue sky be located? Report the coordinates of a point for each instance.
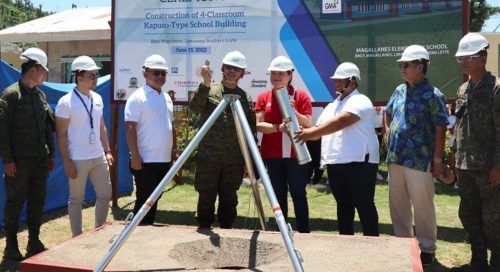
(494, 3)
(61, 5)
(493, 24)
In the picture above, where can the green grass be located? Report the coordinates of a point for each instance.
(178, 205)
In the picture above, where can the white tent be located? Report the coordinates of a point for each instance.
(70, 25)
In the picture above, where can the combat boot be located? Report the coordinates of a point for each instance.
(35, 246)
(11, 251)
(495, 261)
(478, 262)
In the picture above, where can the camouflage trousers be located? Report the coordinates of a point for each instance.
(214, 179)
(479, 209)
(29, 185)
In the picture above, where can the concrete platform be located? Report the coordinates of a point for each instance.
(182, 248)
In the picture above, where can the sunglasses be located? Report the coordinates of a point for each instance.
(234, 68)
(467, 58)
(158, 73)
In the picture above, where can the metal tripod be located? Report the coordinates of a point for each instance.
(246, 139)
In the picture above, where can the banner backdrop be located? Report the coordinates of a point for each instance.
(316, 34)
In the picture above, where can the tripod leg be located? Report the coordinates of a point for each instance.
(248, 163)
(159, 189)
(292, 251)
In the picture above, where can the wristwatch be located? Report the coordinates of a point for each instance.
(438, 160)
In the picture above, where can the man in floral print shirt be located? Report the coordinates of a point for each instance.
(415, 122)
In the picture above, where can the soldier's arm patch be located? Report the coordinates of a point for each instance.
(3, 107)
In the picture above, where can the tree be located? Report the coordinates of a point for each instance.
(480, 11)
(14, 13)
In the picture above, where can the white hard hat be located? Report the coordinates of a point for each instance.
(470, 44)
(83, 63)
(414, 52)
(235, 58)
(347, 70)
(281, 64)
(155, 62)
(35, 54)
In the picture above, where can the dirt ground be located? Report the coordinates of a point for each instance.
(174, 248)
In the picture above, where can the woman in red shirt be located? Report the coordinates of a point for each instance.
(276, 147)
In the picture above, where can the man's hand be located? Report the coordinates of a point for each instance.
(52, 163)
(494, 177)
(206, 73)
(110, 159)
(174, 155)
(10, 169)
(136, 162)
(70, 170)
(305, 134)
(437, 169)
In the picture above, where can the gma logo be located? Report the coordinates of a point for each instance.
(332, 6)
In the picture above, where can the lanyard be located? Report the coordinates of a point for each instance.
(89, 112)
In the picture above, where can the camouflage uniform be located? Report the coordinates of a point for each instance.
(219, 164)
(26, 138)
(478, 135)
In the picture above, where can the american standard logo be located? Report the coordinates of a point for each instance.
(259, 83)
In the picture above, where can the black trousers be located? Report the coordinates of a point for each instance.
(353, 187)
(146, 181)
(314, 148)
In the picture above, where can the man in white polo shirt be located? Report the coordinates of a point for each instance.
(149, 118)
(83, 143)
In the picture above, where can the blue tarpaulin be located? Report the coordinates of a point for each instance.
(57, 186)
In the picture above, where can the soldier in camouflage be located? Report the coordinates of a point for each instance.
(478, 154)
(27, 151)
(220, 164)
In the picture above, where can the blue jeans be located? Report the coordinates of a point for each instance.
(288, 174)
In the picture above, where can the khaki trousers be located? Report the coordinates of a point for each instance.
(407, 188)
(97, 170)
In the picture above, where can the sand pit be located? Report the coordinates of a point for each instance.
(178, 248)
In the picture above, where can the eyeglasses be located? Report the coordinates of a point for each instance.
(39, 67)
(234, 68)
(158, 73)
(405, 65)
(93, 76)
(467, 58)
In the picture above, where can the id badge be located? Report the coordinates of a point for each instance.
(92, 138)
